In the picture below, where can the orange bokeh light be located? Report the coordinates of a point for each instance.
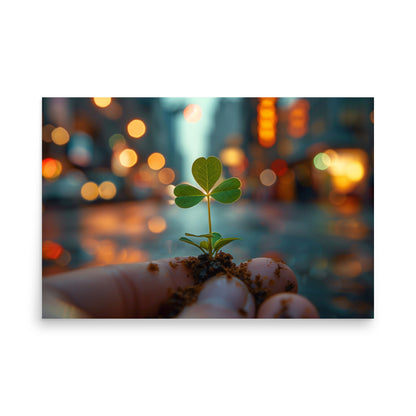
(102, 102)
(136, 128)
(51, 168)
(107, 190)
(156, 225)
(166, 176)
(156, 161)
(266, 121)
(128, 158)
(89, 191)
(298, 119)
(60, 136)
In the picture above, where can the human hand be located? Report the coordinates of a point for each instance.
(138, 290)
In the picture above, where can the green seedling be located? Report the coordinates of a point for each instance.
(206, 172)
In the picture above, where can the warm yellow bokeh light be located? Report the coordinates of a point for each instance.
(156, 225)
(107, 190)
(60, 136)
(232, 156)
(192, 113)
(355, 171)
(102, 102)
(136, 128)
(342, 184)
(166, 176)
(89, 191)
(128, 158)
(156, 161)
(267, 177)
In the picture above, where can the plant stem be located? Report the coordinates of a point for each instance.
(210, 228)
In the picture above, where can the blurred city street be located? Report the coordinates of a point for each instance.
(305, 166)
(331, 252)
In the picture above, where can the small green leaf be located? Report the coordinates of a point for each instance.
(215, 238)
(187, 240)
(187, 196)
(207, 171)
(203, 245)
(227, 191)
(223, 241)
(199, 236)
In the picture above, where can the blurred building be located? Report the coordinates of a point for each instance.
(297, 148)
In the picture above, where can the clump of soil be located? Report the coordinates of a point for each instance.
(178, 300)
(203, 268)
(153, 267)
(284, 312)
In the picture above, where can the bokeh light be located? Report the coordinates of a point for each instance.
(46, 132)
(266, 121)
(192, 113)
(355, 171)
(156, 224)
(298, 119)
(169, 190)
(232, 156)
(279, 167)
(322, 161)
(267, 177)
(166, 176)
(347, 168)
(60, 136)
(89, 191)
(51, 168)
(128, 158)
(136, 128)
(102, 102)
(156, 161)
(51, 250)
(107, 190)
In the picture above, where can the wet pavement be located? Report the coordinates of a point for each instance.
(329, 249)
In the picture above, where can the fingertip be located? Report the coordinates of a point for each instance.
(272, 275)
(287, 305)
